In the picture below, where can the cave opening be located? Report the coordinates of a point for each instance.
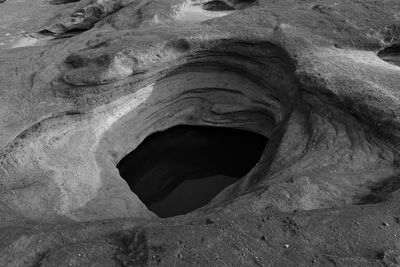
(217, 6)
(220, 5)
(391, 54)
(184, 167)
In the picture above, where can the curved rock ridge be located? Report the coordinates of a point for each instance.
(201, 92)
(319, 79)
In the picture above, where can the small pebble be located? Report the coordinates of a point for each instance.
(286, 245)
(385, 224)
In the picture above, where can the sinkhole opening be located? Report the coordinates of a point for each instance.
(391, 54)
(227, 5)
(184, 167)
(62, 2)
(217, 6)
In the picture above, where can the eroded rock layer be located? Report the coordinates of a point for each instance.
(83, 83)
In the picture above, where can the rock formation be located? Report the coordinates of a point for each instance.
(83, 83)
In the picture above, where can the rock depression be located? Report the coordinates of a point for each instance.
(159, 168)
(282, 118)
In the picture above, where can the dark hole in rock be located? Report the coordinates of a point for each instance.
(62, 2)
(217, 6)
(391, 54)
(181, 169)
(66, 34)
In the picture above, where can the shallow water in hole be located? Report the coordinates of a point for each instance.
(182, 168)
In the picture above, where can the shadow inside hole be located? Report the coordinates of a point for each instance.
(217, 6)
(227, 5)
(62, 2)
(391, 54)
(181, 169)
(66, 34)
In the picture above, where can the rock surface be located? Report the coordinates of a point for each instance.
(82, 83)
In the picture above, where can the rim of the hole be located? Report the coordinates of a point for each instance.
(132, 148)
(393, 48)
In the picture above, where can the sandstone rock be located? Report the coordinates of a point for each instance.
(83, 83)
